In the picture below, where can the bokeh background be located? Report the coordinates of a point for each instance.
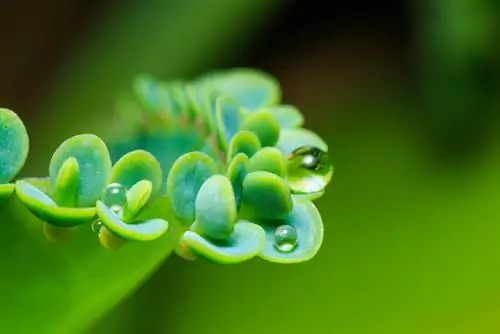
(406, 93)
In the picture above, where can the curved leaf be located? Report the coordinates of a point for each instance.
(143, 231)
(94, 163)
(243, 142)
(66, 185)
(46, 209)
(14, 145)
(264, 125)
(251, 89)
(136, 166)
(228, 120)
(292, 139)
(137, 197)
(306, 221)
(266, 195)
(287, 116)
(185, 179)
(215, 208)
(268, 159)
(245, 243)
(236, 173)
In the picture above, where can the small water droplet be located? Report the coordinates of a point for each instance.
(114, 194)
(309, 170)
(96, 226)
(285, 238)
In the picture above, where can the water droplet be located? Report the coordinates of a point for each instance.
(96, 226)
(309, 170)
(114, 194)
(285, 238)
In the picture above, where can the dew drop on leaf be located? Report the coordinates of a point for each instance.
(309, 170)
(96, 226)
(114, 194)
(285, 238)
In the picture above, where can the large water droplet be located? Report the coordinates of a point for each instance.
(309, 170)
(96, 226)
(114, 194)
(285, 238)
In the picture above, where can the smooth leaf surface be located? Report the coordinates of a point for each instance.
(264, 125)
(245, 243)
(137, 197)
(215, 208)
(266, 195)
(136, 166)
(292, 139)
(268, 159)
(287, 116)
(243, 142)
(185, 179)
(250, 88)
(46, 209)
(306, 220)
(228, 120)
(94, 166)
(144, 231)
(14, 145)
(236, 173)
(66, 185)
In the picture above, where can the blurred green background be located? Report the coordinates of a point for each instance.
(407, 95)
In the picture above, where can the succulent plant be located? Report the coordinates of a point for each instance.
(231, 168)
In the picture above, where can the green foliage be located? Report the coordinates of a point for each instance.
(231, 168)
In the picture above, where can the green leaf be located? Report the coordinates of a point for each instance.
(243, 142)
(42, 183)
(94, 164)
(143, 231)
(266, 195)
(201, 101)
(236, 173)
(215, 208)
(292, 139)
(14, 145)
(250, 88)
(47, 210)
(288, 116)
(137, 197)
(307, 222)
(268, 159)
(6, 191)
(66, 186)
(245, 243)
(184, 181)
(264, 125)
(228, 120)
(136, 166)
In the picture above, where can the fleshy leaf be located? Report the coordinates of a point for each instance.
(266, 195)
(14, 145)
(264, 125)
(215, 208)
(143, 231)
(228, 120)
(245, 243)
(137, 197)
(251, 89)
(42, 183)
(268, 159)
(184, 181)
(236, 172)
(46, 209)
(243, 142)
(66, 186)
(306, 221)
(6, 191)
(136, 166)
(292, 139)
(94, 163)
(287, 116)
